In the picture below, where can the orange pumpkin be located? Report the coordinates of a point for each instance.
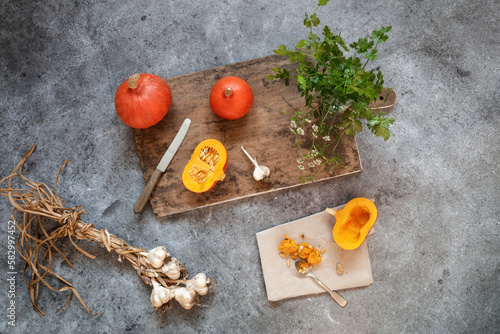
(206, 167)
(231, 98)
(353, 222)
(142, 100)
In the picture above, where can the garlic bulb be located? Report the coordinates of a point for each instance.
(260, 172)
(185, 297)
(198, 283)
(172, 269)
(160, 295)
(156, 256)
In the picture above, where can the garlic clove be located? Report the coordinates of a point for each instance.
(172, 269)
(156, 256)
(198, 283)
(160, 295)
(266, 170)
(258, 174)
(185, 297)
(261, 172)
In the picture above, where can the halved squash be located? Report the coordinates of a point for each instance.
(353, 222)
(206, 167)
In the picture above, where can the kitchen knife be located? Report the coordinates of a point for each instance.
(164, 162)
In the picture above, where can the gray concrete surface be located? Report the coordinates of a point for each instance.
(435, 255)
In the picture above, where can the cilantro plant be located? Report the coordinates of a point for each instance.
(337, 89)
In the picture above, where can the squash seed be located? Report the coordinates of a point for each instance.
(201, 176)
(209, 155)
(340, 269)
(193, 170)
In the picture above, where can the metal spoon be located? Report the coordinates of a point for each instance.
(308, 272)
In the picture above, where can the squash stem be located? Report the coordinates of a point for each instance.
(228, 92)
(333, 212)
(133, 81)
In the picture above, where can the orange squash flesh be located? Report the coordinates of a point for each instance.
(354, 222)
(303, 250)
(206, 167)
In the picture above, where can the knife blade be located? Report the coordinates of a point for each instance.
(162, 166)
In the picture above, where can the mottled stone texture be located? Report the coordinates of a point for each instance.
(435, 254)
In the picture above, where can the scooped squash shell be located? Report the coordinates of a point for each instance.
(354, 222)
(206, 167)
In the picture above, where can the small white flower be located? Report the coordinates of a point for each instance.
(308, 120)
(311, 164)
(315, 128)
(317, 162)
(315, 135)
(326, 138)
(293, 124)
(300, 131)
(314, 152)
(301, 167)
(300, 161)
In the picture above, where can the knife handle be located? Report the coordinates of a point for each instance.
(148, 189)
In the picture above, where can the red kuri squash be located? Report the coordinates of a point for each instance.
(142, 100)
(231, 98)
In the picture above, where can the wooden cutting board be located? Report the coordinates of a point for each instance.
(264, 132)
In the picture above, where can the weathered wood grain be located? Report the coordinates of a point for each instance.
(264, 132)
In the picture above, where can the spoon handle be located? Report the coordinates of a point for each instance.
(338, 298)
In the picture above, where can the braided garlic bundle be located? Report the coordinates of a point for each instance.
(36, 243)
(162, 293)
